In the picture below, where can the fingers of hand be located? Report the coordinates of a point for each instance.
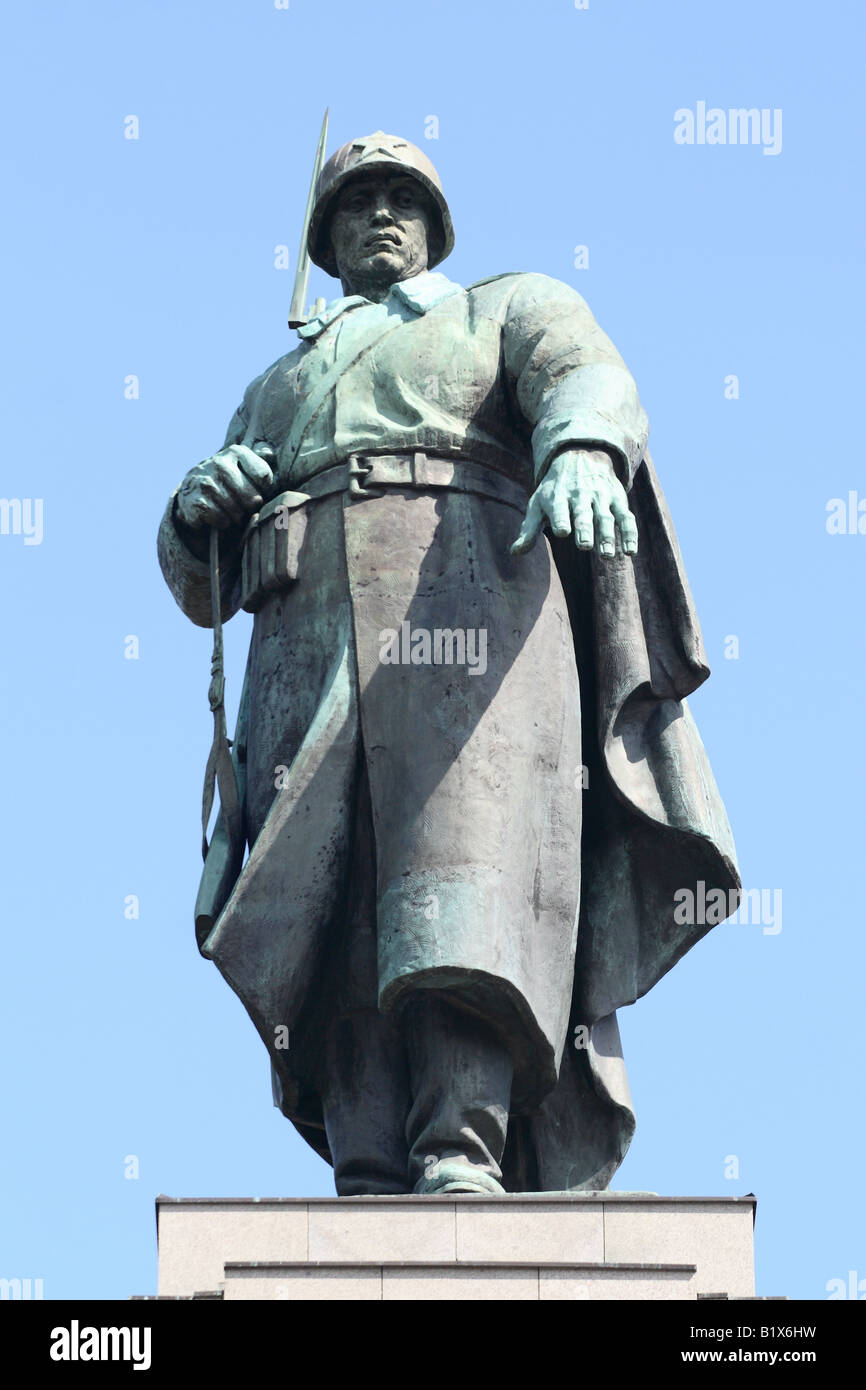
(256, 469)
(605, 527)
(626, 523)
(218, 493)
(200, 503)
(583, 494)
(532, 523)
(582, 516)
(591, 511)
(597, 511)
(240, 495)
(554, 499)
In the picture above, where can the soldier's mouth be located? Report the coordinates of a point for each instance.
(382, 239)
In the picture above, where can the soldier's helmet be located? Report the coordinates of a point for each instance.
(374, 154)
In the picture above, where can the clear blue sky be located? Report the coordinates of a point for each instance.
(155, 258)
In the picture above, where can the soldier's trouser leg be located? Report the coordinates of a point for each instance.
(364, 1102)
(415, 1102)
(460, 1079)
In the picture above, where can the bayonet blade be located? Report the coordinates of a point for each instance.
(298, 310)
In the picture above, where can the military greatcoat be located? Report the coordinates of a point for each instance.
(531, 820)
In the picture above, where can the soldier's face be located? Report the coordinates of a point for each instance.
(379, 231)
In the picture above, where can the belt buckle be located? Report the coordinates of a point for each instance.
(358, 471)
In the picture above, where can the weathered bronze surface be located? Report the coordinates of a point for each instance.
(468, 777)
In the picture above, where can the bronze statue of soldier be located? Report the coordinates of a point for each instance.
(467, 773)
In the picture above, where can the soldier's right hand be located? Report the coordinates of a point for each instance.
(227, 487)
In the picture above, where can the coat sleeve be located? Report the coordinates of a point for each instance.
(183, 553)
(569, 381)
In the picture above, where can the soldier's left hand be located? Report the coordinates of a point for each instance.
(580, 493)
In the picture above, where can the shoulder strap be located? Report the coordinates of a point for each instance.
(323, 388)
(488, 279)
(220, 770)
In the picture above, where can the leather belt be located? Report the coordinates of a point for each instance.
(363, 475)
(270, 555)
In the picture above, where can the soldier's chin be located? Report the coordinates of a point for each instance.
(385, 261)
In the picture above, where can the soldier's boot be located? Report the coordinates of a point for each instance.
(460, 1079)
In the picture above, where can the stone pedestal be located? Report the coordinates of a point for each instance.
(604, 1245)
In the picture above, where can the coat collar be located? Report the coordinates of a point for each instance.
(421, 292)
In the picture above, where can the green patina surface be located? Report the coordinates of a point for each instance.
(442, 846)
